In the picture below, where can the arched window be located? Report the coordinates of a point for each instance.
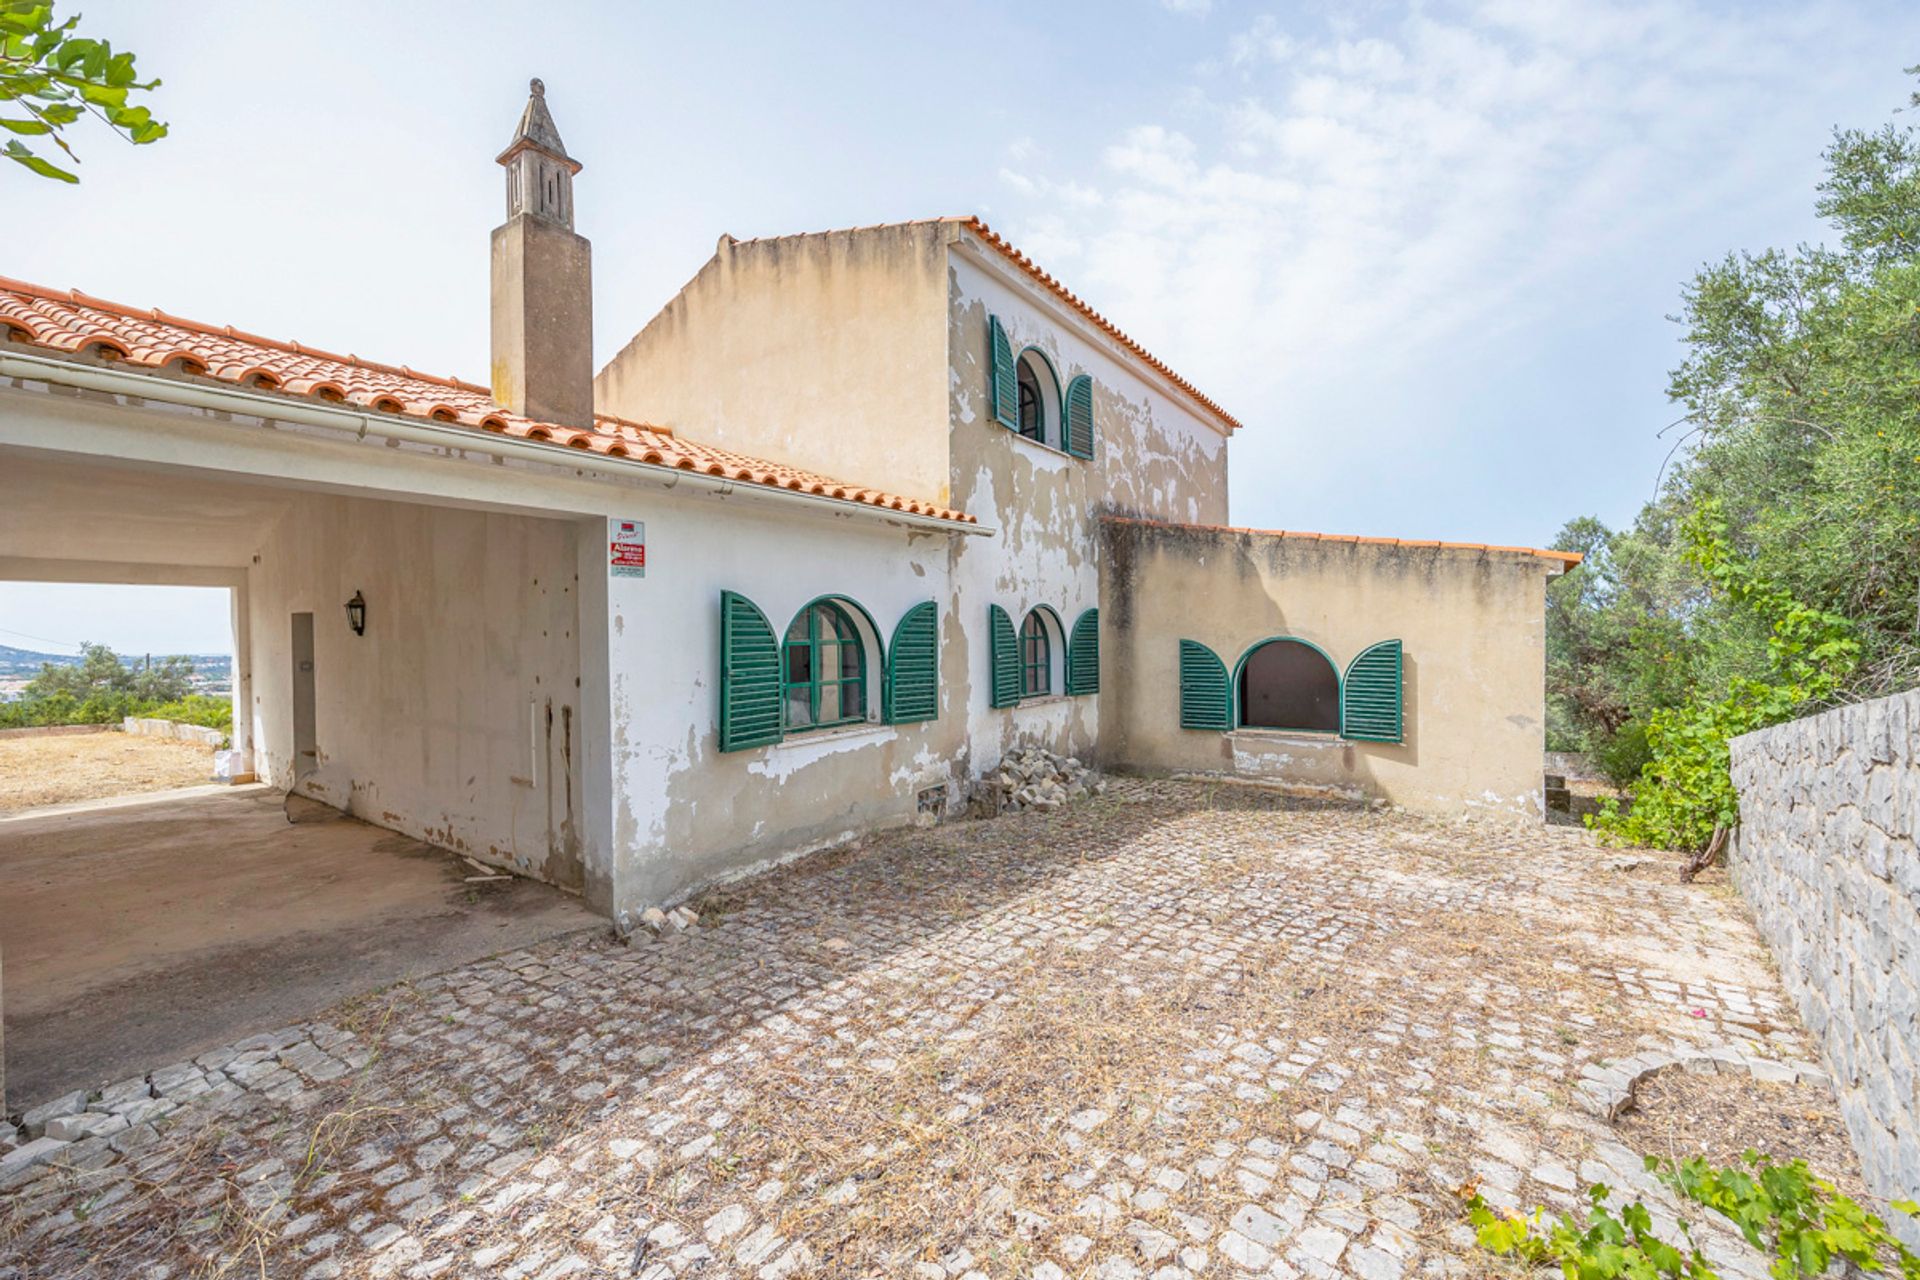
(1033, 411)
(1036, 657)
(1289, 684)
(824, 669)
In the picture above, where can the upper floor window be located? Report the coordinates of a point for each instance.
(1033, 418)
(1030, 398)
(824, 671)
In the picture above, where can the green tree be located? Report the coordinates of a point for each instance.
(51, 76)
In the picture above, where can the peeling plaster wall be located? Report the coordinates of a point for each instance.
(1153, 455)
(687, 814)
(455, 718)
(820, 351)
(1472, 623)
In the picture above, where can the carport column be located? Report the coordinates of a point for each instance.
(596, 715)
(240, 602)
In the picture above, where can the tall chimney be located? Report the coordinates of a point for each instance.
(542, 280)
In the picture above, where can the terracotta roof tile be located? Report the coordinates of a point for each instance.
(73, 323)
(1568, 559)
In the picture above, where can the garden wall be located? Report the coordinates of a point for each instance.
(1826, 858)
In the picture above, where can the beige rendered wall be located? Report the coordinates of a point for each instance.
(825, 351)
(436, 721)
(1472, 623)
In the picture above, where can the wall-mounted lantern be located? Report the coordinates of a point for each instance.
(357, 614)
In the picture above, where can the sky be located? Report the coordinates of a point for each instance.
(1426, 252)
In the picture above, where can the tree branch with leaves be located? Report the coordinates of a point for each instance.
(50, 77)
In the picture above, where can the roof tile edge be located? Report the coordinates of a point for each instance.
(1566, 558)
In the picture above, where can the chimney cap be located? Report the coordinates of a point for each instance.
(536, 130)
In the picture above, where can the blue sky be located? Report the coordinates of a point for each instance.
(1424, 251)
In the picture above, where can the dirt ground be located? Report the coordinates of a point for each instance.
(138, 934)
(66, 768)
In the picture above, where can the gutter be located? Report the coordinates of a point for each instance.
(365, 422)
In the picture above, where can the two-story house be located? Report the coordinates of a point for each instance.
(853, 516)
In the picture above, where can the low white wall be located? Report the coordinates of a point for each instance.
(141, 727)
(1825, 856)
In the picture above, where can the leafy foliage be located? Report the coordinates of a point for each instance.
(1783, 1210)
(53, 76)
(1685, 794)
(1609, 1245)
(101, 689)
(1800, 455)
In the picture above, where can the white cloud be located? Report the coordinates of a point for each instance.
(1337, 204)
(1198, 8)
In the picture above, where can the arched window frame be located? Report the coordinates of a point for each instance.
(1238, 692)
(1052, 428)
(866, 643)
(1053, 659)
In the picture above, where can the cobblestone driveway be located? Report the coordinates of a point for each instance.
(1173, 1032)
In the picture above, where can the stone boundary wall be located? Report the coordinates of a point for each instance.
(1826, 858)
(173, 729)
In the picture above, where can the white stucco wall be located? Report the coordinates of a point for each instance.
(684, 812)
(455, 718)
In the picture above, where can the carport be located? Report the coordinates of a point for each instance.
(143, 932)
(437, 726)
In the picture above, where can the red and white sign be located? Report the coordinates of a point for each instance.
(627, 548)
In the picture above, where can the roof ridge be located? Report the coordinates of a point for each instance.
(1569, 558)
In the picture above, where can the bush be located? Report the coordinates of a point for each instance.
(112, 708)
(1622, 756)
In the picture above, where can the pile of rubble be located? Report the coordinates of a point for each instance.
(1034, 778)
(678, 920)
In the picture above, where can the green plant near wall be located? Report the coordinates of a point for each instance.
(1794, 1217)
(1685, 799)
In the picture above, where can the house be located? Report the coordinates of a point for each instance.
(856, 514)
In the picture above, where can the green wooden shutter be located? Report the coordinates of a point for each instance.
(749, 676)
(1206, 695)
(913, 666)
(1079, 431)
(1370, 699)
(1006, 384)
(1004, 653)
(1083, 654)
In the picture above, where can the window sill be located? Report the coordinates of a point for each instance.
(839, 733)
(1041, 700)
(1314, 736)
(1051, 450)
(1309, 737)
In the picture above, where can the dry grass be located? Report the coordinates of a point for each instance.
(66, 768)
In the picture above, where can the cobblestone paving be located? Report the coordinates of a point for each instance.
(1174, 1032)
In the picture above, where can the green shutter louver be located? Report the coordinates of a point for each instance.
(1006, 383)
(749, 676)
(1079, 433)
(1370, 697)
(913, 666)
(1004, 655)
(1206, 695)
(1083, 654)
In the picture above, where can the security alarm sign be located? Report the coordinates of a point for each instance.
(627, 548)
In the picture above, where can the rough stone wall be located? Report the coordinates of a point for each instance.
(1826, 859)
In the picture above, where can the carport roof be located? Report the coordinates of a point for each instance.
(73, 323)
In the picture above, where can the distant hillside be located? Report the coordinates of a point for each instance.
(25, 663)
